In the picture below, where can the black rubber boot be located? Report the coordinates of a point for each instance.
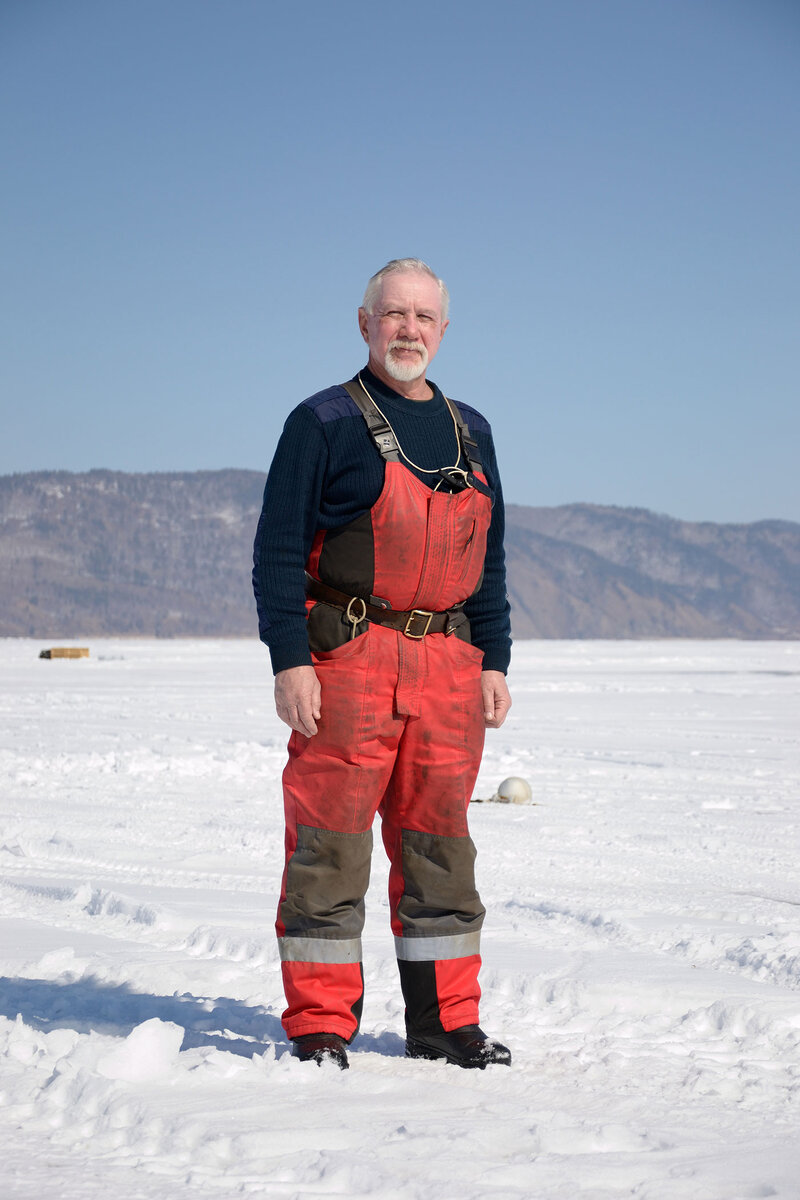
(465, 1047)
(321, 1048)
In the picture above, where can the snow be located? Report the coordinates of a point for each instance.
(641, 950)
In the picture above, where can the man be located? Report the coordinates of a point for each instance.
(380, 583)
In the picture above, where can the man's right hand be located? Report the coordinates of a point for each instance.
(297, 699)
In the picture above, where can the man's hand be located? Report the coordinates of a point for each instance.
(496, 698)
(297, 699)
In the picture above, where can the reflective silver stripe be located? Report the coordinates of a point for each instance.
(319, 950)
(426, 949)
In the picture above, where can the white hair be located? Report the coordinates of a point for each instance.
(396, 267)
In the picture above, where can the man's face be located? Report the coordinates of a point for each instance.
(406, 327)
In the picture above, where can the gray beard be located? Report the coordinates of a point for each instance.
(405, 372)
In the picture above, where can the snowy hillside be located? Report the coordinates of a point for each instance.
(642, 944)
(106, 553)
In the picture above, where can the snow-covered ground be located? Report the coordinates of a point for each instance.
(642, 945)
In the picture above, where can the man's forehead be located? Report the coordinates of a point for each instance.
(411, 287)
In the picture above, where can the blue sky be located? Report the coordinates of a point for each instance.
(196, 191)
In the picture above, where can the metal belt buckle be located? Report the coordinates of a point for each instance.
(412, 616)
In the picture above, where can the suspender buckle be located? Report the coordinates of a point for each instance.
(457, 477)
(415, 615)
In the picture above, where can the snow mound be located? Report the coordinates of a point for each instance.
(149, 1052)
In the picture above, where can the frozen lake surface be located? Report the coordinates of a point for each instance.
(641, 948)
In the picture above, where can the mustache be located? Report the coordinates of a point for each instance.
(400, 344)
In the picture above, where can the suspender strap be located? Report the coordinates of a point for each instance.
(468, 443)
(387, 443)
(381, 433)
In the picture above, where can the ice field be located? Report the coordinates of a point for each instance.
(641, 948)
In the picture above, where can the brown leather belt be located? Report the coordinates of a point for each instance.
(414, 624)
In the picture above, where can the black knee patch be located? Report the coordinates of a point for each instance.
(439, 895)
(326, 882)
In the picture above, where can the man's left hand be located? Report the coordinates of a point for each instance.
(496, 698)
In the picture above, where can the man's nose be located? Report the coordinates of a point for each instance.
(410, 326)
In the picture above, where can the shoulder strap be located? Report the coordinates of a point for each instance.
(385, 440)
(381, 433)
(468, 443)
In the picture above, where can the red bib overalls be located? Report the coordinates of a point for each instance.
(401, 733)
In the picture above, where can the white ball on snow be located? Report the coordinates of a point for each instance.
(514, 791)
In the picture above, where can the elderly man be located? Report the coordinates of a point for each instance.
(380, 583)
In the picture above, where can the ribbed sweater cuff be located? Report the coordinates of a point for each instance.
(496, 658)
(290, 654)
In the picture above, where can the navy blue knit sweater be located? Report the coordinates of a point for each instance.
(326, 472)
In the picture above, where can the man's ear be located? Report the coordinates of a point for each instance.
(362, 324)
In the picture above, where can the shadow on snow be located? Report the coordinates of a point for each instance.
(88, 1005)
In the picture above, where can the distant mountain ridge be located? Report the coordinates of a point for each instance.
(584, 570)
(107, 552)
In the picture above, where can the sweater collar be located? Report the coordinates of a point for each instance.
(387, 395)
